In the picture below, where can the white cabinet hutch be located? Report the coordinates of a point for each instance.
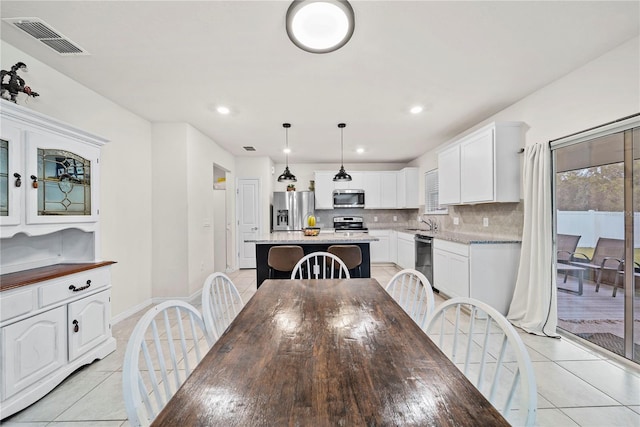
(55, 303)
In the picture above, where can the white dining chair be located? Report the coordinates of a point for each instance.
(490, 353)
(412, 290)
(320, 265)
(221, 302)
(164, 347)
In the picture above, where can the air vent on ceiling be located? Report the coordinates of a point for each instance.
(43, 32)
(249, 148)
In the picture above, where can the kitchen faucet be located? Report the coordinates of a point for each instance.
(432, 225)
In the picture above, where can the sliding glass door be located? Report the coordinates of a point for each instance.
(597, 235)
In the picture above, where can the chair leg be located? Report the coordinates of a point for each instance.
(598, 277)
(565, 275)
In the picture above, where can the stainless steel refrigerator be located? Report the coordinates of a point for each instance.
(290, 210)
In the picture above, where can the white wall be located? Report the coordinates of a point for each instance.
(169, 216)
(606, 89)
(183, 209)
(126, 174)
(202, 153)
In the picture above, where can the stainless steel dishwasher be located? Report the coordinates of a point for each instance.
(424, 256)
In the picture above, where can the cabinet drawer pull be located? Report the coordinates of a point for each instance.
(34, 184)
(18, 178)
(76, 327)
(81, 288)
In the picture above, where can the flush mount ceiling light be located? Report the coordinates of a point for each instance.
(342, 175)
(320, 26)
(223, 110)
(287, 176)
(416, 110)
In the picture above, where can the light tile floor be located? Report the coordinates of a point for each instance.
(577, 386)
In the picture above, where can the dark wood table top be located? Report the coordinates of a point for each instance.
(35, 275)
(326, 353)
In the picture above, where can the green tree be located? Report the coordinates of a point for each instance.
(598, 188)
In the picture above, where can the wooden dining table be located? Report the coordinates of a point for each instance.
(336, 352)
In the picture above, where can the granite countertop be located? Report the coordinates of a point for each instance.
(453, 236)
(298, 237)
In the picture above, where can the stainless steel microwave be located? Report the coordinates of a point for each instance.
(348, 198)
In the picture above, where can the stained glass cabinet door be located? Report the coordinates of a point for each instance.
(62, 180)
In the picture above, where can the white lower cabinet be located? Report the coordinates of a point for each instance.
(451, 268)
(58, 325)
(406, 250)
(380, 251)
(32, 349)
(484, 271)
(88, 323)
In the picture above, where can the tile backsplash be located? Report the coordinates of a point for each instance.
(505, 220)
(373, 218)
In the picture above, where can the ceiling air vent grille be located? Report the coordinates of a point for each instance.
(43, 32)
(249, 148)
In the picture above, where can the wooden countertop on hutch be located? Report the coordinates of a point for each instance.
(35, 275)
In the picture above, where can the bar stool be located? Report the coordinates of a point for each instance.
(283, 258)
(351, 255)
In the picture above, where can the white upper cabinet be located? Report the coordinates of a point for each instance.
(407, 188)
(388, 190)
(371, 190)
(324, 186)
(50, 174)
(382, 189)
(449, 176)
(483, 167)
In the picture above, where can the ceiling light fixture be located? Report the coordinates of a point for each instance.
(416, 110)
(223, 110)
(342, 175)
(287, 176)
(360, 150)
(320, 26)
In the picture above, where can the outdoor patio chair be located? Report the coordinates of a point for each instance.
(619, 282)
(566, 245)
(607, 256)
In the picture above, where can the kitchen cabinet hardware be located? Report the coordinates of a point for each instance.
(82, 288)
(34, 184)
(76, 327)
(18, 178)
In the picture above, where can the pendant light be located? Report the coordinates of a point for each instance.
(342, 175)
(287, 176)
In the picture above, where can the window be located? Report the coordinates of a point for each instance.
(431, 200)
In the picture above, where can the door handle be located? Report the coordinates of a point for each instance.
(255, 228)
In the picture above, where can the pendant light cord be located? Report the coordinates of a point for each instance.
(342, 146)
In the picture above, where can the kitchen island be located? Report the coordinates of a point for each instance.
(309, 244)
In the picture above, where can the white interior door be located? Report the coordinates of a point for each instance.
(248, 223)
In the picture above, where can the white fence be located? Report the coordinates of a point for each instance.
(592, 224)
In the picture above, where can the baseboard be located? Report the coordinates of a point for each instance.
(131, 311)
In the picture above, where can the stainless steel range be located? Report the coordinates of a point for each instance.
(346, 224)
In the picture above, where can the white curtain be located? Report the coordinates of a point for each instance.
(534, 305)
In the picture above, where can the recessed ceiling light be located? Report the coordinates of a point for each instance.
(416, 110)
(320, 26)
(223, 110)
(287, 151)
(360, 150)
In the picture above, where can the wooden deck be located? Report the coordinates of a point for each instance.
(594, 312)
